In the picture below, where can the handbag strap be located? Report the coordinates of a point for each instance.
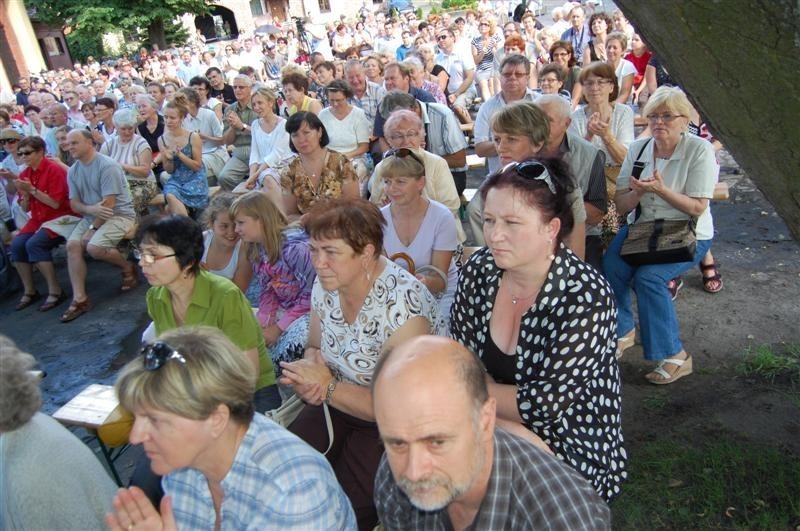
(329, 425)
(638, 211)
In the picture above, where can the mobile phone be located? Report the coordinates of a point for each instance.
(638, 167)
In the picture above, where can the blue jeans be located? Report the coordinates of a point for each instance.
(658, 321)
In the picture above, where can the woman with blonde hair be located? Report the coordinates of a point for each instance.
(204, 121)
(224, 466)
(281, 263)
(222, 254)
(484, 46)
(269, 142)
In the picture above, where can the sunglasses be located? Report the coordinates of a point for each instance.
(159, 353)
(532, 170)
(5, 141)
(441, 37)
(402, 153)
(24, 153)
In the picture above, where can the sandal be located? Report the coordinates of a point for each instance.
(50, 304)
(661, 376)
(674, 286)
(26, 300)
(708, 282)
(129, 279)
(625, 342)
(75, 310)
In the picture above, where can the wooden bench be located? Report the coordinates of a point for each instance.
(95, 409)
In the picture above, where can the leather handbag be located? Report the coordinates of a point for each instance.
(288, 411)
(661, 241)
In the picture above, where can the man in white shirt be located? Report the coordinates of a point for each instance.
(461, 68)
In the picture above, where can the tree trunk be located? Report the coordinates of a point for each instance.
(738, 62)
(155, 31)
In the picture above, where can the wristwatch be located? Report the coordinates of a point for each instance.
(331, 388)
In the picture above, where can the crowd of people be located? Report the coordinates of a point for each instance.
(298, 215)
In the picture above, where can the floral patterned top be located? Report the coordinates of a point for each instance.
(286, 284)
(352, 350)
(336, 171)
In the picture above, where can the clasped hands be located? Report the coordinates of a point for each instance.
(652, 184)
(309, 376)
(596, 126)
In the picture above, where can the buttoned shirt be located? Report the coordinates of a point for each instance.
(527, 489)
(207, 123)
(241, 141)
(483, 131)
(457, 63)
(370, 101)
(218, 302)
(276, 481)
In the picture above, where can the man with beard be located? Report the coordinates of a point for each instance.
(446, 467)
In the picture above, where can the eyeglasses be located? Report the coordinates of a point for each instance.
(24, 153)
(532, 170)
(398, 135)
(240, 87)
(510, 75)
(441, 37)
(547, 80)
(596, 83)
(159, 353)
(148, 258)
(402, 153)
(666, 118)
(8, 141)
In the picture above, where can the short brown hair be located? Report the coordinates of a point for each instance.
(356, 221)
(603, 71)
(297, 80)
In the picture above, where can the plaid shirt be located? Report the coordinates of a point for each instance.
(276, 482)
(528, 489)
(370, 101)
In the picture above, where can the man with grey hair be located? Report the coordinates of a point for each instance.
(57, 116)
(366, 94)
(405, 129)
(447, 467)
(587, 164)
(33, 495)
(443, 134)
(237, 119)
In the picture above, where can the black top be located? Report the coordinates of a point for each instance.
(226, 94)
(152, 138)
(499, 365)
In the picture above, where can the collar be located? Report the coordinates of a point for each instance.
(530, 95)
(201, 295)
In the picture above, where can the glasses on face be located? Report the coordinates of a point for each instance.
(399, 135)
(24, 153)
(596, 83)
(149, 258)
(511, 75)
(441, 37)
(532, 170)
(667, 118)
(240, 87)
(159, 353)
(548, 80)
(560, 54)
(483, 24)
(5, 141)
(401, 153)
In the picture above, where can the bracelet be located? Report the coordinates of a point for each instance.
(331, 388)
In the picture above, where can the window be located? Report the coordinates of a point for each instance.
(52, 46)
(324, 6)
(256, 8)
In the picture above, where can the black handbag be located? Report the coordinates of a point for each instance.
(661, 241)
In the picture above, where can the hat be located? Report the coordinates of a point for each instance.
(9, 134)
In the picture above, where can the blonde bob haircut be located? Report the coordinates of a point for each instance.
(395, 167)
(522, 118)
(260, 207)
(215, 372)
(265, 93)
(670, 99)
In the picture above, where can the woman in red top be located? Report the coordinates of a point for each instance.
(45, 195)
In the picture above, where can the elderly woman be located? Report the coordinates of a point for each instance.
(224, 466)
(295, 90)
(352, 127)
(186, 192)
(542, 321)
(170, 250)
(551, 80)
(134, 155)
(562, 54)
(676, 183)
(44, 194)
(422, 230)
(419, 78)
(362, 304)
(434, 72)
(50, 479)
(282, 267)
(317, 173)
(616, 44)
(269, 150)
(604, 121)
(151, 127)
(207, 125)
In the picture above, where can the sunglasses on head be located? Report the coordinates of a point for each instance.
(402, 153)
(532, 170)
(158, 353)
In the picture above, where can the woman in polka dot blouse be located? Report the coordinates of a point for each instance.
(544, 324)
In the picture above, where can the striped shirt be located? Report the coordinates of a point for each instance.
(276, 481)
(528, 489)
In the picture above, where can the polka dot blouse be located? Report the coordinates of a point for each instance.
(568, 383)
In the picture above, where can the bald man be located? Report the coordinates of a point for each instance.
(445, 464)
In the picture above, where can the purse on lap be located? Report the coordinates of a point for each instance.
(661, 241)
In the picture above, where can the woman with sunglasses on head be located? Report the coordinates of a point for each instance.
(170, 251)
(317, 173)
(44, 195)
(676, 182)
(542, 321)
(225, 466)
(361, 305)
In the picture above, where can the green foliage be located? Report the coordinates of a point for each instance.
(435, 10)
(88, 20)
(723, 485)
(459, 4)
(764, 361)
(418, 13)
